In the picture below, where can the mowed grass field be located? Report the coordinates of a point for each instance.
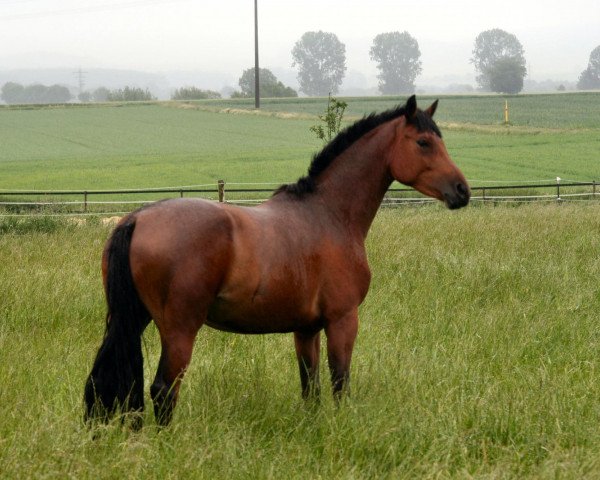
(478, 349)
(477, 357)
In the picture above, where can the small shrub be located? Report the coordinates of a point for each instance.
(332, 120)
(130, 94)
(193, 93)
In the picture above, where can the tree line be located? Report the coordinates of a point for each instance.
(126, 94)
(498, 58)
(15, 93)
(320, 57)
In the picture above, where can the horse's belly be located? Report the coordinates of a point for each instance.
(260, 315)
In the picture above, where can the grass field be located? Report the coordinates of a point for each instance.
(159, 145)
(477, 357)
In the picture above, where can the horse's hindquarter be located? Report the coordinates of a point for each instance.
(179, 254)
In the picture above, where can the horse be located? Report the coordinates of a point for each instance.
(294, 264)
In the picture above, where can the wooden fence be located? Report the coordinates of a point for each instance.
(102, 202)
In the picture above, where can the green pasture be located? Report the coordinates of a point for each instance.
(167, 144)
(477, 357)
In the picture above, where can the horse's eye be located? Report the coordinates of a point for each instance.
(422, 143)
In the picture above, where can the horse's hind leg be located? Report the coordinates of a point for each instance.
(307, 352)
(174, 360)
(177, 341)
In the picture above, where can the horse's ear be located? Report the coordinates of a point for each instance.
(411, 107)
(432, 108)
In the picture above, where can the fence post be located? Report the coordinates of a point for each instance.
(483, 191)
(221, 189)
(558, 188)
(594, 188)
(85, 200)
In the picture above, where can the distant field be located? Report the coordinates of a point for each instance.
(562, 111)
(155, 145)
(145, 146)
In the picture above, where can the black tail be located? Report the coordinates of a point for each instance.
(116, 382)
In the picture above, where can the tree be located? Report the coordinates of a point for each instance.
(193, 93)
(100, 94)
(85, 97)
(492, 45)
(397, 56)
(321, 60)
(590, 77)
(506, 75)
(269, 85)
(57, 94)
(35, 93)
(13, 93)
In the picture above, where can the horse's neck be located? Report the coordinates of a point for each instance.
(353, 186)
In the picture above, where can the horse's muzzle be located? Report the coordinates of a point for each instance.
(458, 196)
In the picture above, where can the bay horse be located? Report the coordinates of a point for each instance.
(296, 263)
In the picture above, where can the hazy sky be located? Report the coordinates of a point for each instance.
(217, 35)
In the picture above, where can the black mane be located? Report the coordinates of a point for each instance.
(347, 137)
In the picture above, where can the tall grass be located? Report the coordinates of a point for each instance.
(477, 356)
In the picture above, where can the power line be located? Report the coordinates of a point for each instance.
(80, 74)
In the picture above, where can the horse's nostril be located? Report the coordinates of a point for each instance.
(462, 190)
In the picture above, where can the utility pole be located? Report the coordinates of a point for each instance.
(256, 69)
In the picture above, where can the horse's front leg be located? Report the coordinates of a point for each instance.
(341, 333)
(308, 352)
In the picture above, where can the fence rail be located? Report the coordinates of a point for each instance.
(78, 202)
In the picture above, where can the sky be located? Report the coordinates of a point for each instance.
(217, 36)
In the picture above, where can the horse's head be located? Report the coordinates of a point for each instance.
(418, 158)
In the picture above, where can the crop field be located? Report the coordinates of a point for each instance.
(555, 111)
(164, 145)
(478, 348)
